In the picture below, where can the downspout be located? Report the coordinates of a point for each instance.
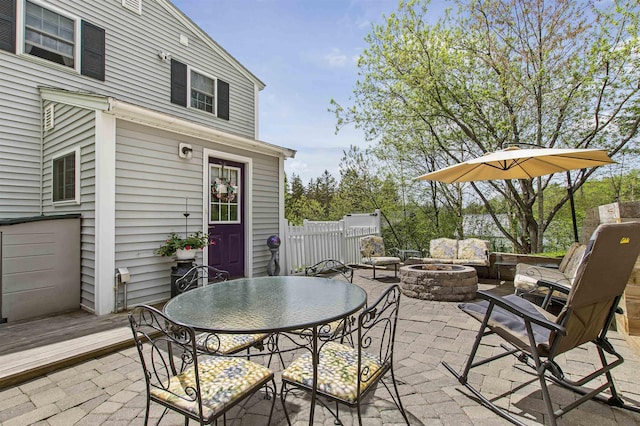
(41, 157)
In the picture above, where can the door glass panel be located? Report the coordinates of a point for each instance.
(224, 194)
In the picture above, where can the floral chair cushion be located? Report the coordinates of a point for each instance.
(372, 246)
(571, 268)
(222, 381)
(473, 249)
(527, 276)
(337, 371)
(225, 344)
(443, 248)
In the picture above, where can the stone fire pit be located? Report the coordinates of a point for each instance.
(450, 283)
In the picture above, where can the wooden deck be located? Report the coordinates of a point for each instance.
(27, 334)
(37, 346)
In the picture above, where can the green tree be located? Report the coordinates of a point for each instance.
(553, 74)
(294, 200)
(322, 190)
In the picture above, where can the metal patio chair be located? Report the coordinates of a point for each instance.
(373, 253)
(330, 268)
(537, 337)
(213, 343)
(347, 375)
(202, 388)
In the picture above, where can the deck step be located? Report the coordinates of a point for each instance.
(21, 366)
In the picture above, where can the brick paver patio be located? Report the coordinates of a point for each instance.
(110, 390)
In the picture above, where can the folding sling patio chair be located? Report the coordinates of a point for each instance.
(537, 337)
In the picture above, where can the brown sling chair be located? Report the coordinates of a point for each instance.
(539, 336)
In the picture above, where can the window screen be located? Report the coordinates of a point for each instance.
(64, 178)
(49, 35)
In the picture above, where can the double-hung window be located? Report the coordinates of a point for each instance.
(65, 177)
(194, 89)
(49, 35)
(203, 92)
(37, 29)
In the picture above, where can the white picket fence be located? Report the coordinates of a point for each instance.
(312, 242)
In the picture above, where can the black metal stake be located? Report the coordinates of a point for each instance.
(186, 216)
(573, 207)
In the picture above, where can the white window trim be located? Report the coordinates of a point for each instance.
(21, 8)
(215, 91)
(226, 222)
(76, 199)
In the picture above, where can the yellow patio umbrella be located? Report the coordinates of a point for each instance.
(518, 163)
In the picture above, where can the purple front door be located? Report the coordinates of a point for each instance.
(226, 216)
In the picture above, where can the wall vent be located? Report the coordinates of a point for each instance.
(49, 117)
(133, 5)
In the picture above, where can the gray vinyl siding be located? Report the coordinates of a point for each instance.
(20, 141)
(75, 127)
(265, 209)
(134, 74)
(152, 183)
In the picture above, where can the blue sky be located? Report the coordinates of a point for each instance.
(305, 51)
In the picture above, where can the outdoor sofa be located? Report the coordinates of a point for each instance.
(468, 252)
(527, 276)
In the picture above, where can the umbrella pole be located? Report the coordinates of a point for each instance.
(573, 208)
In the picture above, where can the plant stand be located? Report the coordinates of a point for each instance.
(178, 271)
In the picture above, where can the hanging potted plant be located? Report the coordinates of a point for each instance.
(183, 248)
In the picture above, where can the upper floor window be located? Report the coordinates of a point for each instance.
(49, 35)
(197, 90)
(65, 177)
(35, 28)
(203, 92)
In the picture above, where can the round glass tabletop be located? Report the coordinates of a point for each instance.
(266, 304)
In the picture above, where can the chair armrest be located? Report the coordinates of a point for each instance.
(554, 286)
(515, 309)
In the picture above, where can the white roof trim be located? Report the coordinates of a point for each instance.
(134, 113)
(78, 99)
(206, 38)
(147, 117)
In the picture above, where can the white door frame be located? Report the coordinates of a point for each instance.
(247, 188)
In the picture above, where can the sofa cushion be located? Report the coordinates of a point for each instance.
(567, 256)
(471, 262)
(574, 261)
(474, 249)
(372, 245)
(527, 276)
(379, 261)
(443, 248)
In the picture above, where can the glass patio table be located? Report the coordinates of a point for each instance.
(268, 305)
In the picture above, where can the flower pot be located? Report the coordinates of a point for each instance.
(184, 254)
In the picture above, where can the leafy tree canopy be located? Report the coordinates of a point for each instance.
(552, 74)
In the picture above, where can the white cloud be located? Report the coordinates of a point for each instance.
(336, 58)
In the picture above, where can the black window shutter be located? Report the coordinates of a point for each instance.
(93, 51)
(223, 100)
(8, 25)
(178, 83)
